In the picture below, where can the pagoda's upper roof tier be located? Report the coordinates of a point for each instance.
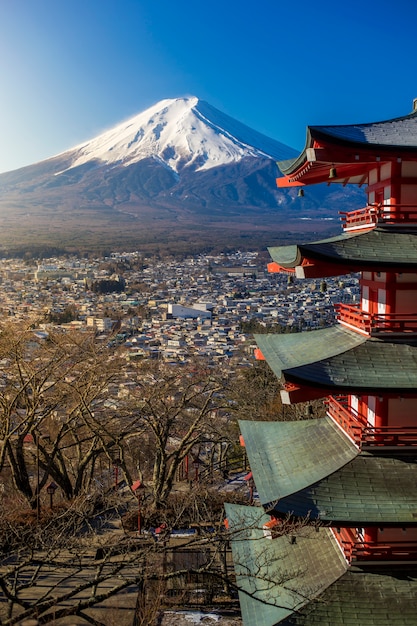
(336, 359)
(308, 582)
(353, 149)
(379, 249)
(400, 132)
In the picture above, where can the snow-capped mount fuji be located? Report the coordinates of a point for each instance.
(182, 132)
(180, 169)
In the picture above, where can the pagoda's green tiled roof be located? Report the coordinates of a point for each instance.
(364, 597)
(390, 135)
(341, 359)
(374, 365)
(308, 583)
(283, 352)
(286, 457)
(400, 132)
(369, 490)
(384, 246)
(277, 577)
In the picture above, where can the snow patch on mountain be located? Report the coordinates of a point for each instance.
(181, 132)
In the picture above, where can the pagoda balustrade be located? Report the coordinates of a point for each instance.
(356, 549)
(348, 419)
(375, 323)
(373, 551)
(387, 436)
(374, 214)
(363, 433)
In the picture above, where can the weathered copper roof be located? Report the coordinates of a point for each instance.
(369, 490)
(277, 577)
(399, 132)
(287, 351)
(381, 247)
(364, 597)
(343, 485)
(307, 582)
(284, 459)
(336, 358)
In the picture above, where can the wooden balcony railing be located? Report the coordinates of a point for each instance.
(352, 315)
(355, 549)
(395, 550)
(375, 323)
(374, 214)
(388, 436)
(350, 421)
(346, 538)
(361, 218)
(363, 433)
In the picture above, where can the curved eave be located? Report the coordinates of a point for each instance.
(277, 577)
(370, 490)
(284, 352)
(374, 366)
(352, 149)
(380, 247)
(283, 460)
(399, 133)
(372, 596)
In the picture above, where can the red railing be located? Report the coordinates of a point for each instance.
(346, 538)
(363, 433)
(374, 323)
(368, 216)
(359, 550)
(395, 550)
(353, 316)
(350, 421)
(373, 214)
(388, 436)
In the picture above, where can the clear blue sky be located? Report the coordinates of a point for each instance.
(71, 69)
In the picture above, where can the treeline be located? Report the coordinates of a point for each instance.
(107, 285)
(253, 326)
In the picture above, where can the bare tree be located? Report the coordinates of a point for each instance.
(65, 565)
(49, 388)
(64, 419)
(183, 412)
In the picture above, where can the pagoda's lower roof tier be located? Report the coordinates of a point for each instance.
(379, 249)
(278, 577)
(302, 579)
(311, 468)
(364, 597)
(338, 360)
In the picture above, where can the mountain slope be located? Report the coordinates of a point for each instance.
(181, 164)
(185, 132)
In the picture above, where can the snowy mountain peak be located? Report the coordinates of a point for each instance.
(180, 132)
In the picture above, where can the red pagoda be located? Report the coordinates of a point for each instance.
(352, 475)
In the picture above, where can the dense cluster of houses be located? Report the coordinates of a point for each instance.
(205, 305)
